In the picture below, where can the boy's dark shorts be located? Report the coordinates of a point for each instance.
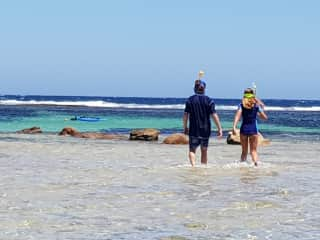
(194, 142)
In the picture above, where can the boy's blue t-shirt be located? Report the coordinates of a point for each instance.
(199, 107)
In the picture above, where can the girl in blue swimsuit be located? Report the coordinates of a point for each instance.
(249, 109)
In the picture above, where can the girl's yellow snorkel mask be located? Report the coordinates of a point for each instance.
(248, 100)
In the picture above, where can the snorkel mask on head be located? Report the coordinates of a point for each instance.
(249, 95)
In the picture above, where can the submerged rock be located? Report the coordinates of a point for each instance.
(176, 138)
(235, 138)
(31, 130)
(69, 131)
(147, 134)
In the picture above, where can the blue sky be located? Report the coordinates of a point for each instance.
(155, 48)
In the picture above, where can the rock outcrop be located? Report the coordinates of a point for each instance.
(176, 138)
(69, 131)
(32, 130)
(148, 134)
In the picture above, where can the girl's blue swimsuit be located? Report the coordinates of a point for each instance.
(249, 124)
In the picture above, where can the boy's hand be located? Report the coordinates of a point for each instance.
(219, 133)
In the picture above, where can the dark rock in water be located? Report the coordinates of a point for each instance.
(148, 134)
(69, 131)
(176, 138)
(235, 138)
(31, 130)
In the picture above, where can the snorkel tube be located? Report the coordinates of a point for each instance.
(254, 87)
(199, 85)
(200, 74)
(258, 101)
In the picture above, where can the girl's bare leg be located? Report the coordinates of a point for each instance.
(253, 148)
(244, 145)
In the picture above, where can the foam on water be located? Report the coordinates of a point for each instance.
(105, 104)
(234, 165)
(247, 164)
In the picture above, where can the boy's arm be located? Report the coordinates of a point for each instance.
(216, 120)
(185, 123)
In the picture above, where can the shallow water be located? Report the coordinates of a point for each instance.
(55, 187)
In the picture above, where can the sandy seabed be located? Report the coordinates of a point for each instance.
(55, 187)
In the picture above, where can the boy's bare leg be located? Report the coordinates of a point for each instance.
(204, 155)
(192, 157)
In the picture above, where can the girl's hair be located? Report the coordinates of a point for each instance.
(248, 100)
(248, 90)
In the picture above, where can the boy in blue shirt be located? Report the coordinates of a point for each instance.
(198, 110)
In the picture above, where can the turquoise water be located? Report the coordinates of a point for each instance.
(287, 118)
(54, 122)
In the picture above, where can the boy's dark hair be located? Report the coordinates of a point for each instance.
(199, 86)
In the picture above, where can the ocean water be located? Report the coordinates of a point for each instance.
(54, 187)
(287, 118)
